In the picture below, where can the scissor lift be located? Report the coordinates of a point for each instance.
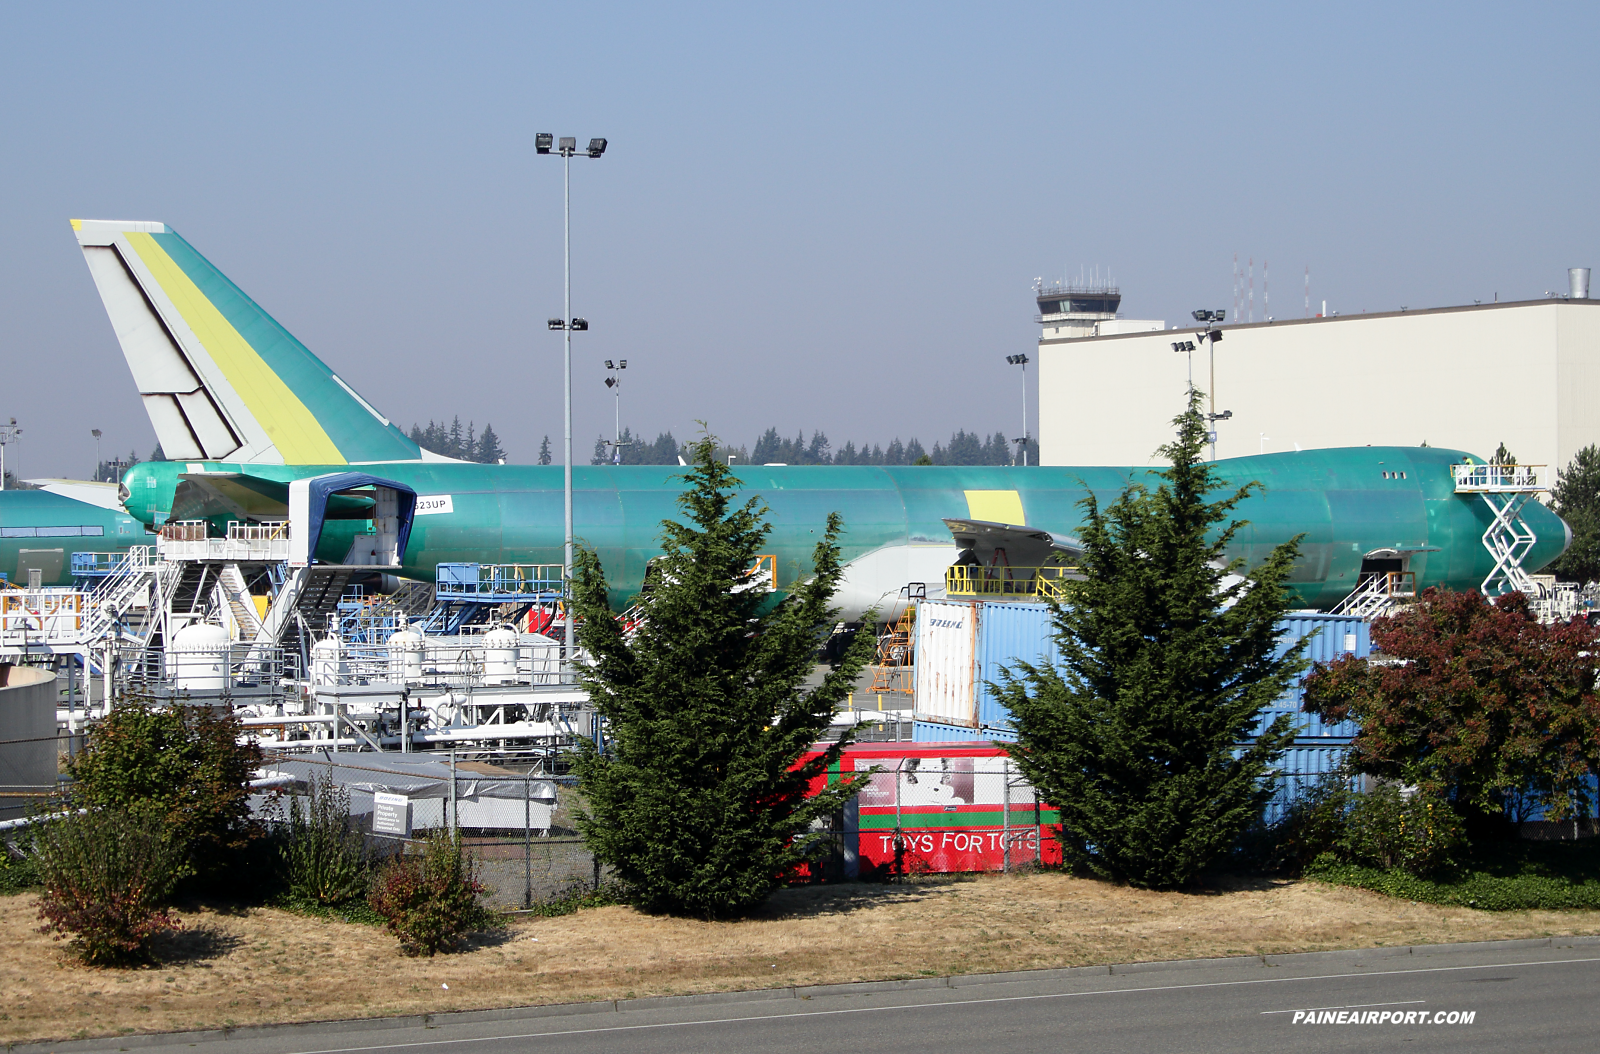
(1506, 489)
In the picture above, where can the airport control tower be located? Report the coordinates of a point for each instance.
(1068, 310)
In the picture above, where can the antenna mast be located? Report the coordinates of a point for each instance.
(1236, 287)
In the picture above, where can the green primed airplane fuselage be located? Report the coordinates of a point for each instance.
(41, 530)
(1346, 502)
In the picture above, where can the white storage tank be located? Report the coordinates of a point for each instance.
(406, 648)
(197, 658)
(327, 661)
(501, 650)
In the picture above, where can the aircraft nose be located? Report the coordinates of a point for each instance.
(1550, 543)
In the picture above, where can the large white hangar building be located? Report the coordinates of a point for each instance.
(1524, 373)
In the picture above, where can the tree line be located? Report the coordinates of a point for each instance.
(964, 448)
(451, 441)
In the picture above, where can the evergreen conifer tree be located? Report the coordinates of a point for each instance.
(1577, 501)
(544, 451)
(489, 449)
(698, 802)
(1167, 658)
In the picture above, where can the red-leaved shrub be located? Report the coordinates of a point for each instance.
(105, 874)
(430, 900)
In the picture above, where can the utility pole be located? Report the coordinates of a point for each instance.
(1209, 337)
(614, 382)
(568, 146)
(1022, 440)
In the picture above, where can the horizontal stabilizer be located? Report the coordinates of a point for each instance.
(1024, 546)
(245, 497)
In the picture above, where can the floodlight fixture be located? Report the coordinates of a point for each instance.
(542, 142)
(568, 145)
(1182, 346)
(1214, 335)
(610, 381)
(623, 365)
(597, 147)
(609, 365)
(557, 323)
(579, 325)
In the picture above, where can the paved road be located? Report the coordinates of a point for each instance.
(1521, 995)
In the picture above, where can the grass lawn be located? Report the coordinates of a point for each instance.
(257, 965)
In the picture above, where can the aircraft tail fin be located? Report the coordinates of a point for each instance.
(220, 378)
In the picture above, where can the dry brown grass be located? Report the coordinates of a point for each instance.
(265, 965)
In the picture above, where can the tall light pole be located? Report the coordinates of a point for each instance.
(1022, 440)
(1209, 337)
(98, 460)
(8, 434)
(614, 382)
(568, 146)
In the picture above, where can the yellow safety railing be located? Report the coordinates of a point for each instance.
(971, 580)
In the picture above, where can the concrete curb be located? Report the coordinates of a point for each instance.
(140, 1040)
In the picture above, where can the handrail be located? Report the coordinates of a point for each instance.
(1377, 590)
(1471, 479)
(976, 580)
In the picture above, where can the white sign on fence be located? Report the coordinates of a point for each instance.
(391, 814)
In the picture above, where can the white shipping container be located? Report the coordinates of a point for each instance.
(947, 634)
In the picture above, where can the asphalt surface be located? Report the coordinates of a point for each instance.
(1521, 995)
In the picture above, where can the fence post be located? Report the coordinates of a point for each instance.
(455, 819)
(72, 710)
(405, 720)
(1005, 812)
(527, 841)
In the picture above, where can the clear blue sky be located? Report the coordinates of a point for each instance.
(811, 215)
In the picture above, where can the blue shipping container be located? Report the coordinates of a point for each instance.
(1327, 637)
(934, 732)
(1300, 769)
(1009, 632)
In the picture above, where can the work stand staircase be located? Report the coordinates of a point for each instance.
(1379, 593)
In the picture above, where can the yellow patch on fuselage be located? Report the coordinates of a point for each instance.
(996, 506)
(292, 427)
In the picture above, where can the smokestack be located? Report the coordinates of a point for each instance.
(1578, 283)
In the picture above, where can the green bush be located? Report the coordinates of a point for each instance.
(19, 869)
(323, 853)
(1476, 889)
(430, 899)
(1392, 831)
(183, 766)
(105, 873)
(1312, 825)
(577, 897)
